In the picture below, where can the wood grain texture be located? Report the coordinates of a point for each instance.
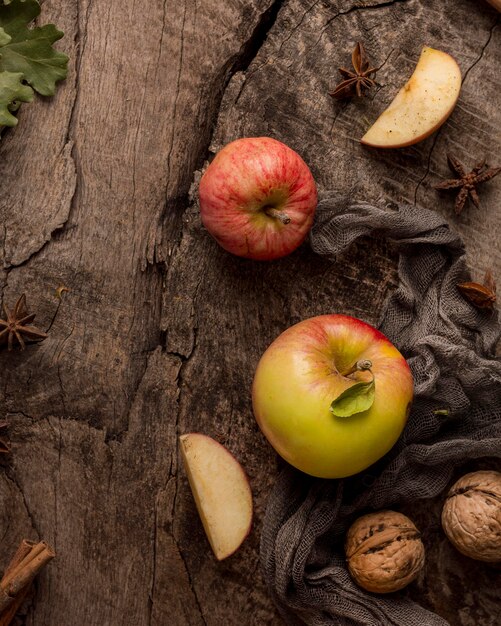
(161, 329)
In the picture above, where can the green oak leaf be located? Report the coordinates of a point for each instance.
(30, 51)
(357, 398)
(4, 38)
(12, 90)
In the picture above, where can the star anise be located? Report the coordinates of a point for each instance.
(467, 182)
(16, 326)
(4, 444)
(355, 82)
(483, 296)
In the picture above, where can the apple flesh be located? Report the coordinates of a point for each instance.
(304, 370)
(258, 198)
(421, 106)
(221, 492)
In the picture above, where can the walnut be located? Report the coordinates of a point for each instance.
(471, 517)
(384, 551)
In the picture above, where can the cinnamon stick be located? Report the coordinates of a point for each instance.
(8, 615)
(29, 559)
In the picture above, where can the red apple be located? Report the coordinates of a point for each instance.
(311, 365)
(258, 198)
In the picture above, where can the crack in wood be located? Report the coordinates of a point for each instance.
(482, 51)
(428, 165)
(176, 98)
(297, 26)
(11, 476)
(354, 9)
(154, 566)
(80, 43)
(195, 595)
(240, 63)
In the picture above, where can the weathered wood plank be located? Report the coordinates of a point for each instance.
(93, 410)
(161, 330)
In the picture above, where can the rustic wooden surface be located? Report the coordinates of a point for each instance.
(161, 330)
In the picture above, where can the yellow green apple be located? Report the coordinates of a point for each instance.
(421, 106)
(302, 380)
(221, 492)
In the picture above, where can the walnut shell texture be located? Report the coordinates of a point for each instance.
(384, 551)
(471, 517)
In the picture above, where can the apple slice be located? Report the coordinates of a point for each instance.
(221, 491)
(421, 106)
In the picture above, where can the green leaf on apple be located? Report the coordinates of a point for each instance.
(357, 398)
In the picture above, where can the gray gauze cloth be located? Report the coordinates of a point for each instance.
(449, 346)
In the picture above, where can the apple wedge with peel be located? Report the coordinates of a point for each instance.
(421, 106)
(221, 492)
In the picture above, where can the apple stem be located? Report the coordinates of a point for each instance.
(279, 215)
(360, 366)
